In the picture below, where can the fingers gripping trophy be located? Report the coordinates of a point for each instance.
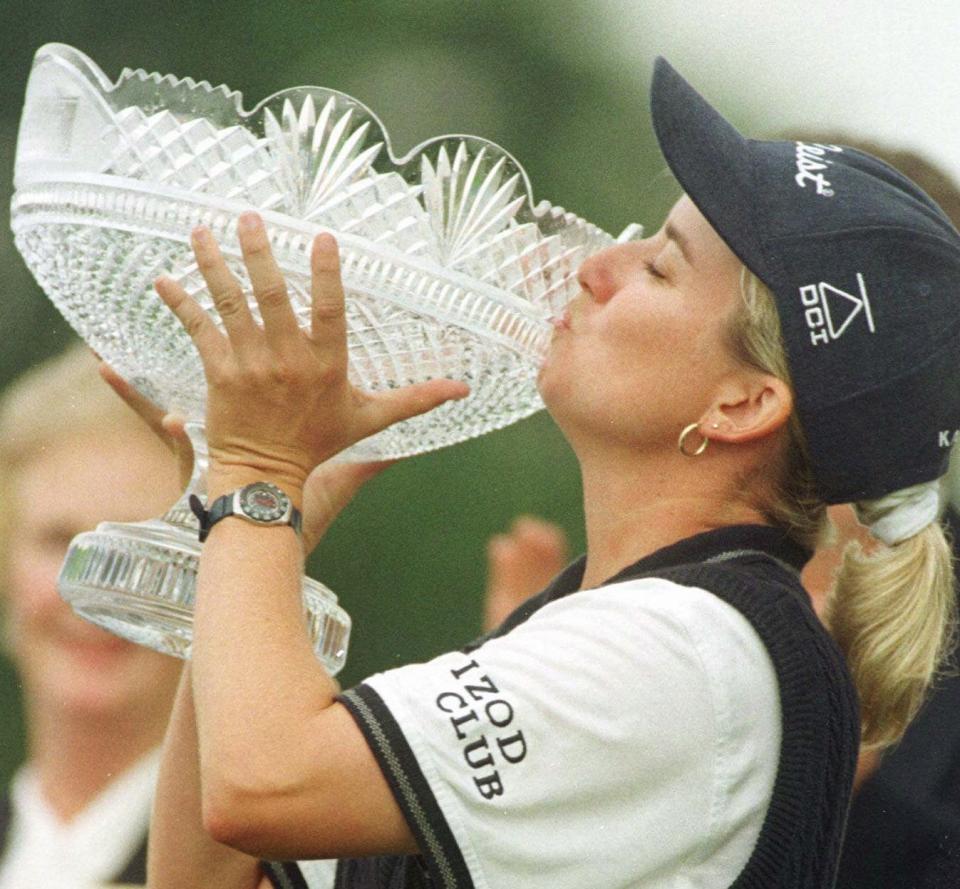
(449, 270)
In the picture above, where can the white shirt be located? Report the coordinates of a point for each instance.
(91, 848)
(621, 737)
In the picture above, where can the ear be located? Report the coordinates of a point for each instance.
(748, 409)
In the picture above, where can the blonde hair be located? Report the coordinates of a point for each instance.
(892, 611)
(59, 399)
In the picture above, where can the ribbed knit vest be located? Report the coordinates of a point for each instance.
(802, 834)
(756, 570)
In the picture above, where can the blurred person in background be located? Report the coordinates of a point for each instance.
(72, 454)
(904, 823)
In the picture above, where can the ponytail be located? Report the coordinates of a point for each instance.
(893, 614)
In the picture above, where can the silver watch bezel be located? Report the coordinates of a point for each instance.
(280, 515)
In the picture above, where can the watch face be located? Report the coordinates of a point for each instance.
(263, 502)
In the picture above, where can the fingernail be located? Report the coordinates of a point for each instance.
(201, 234)
(324, 243)
(249, 221)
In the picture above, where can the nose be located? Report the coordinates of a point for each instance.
(596, 274)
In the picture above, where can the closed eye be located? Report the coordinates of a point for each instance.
(653, 271)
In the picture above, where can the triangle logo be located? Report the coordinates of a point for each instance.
(830, 310)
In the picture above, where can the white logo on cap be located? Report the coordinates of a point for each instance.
(829, 311)
(948, 437)
(812, 160)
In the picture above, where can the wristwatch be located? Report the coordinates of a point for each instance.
(259, 502)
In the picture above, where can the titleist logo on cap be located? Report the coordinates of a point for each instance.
(812, 160)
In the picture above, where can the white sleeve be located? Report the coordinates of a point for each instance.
(309, 874)
(587, 746)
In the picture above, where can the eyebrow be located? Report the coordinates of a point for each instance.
(679, 239)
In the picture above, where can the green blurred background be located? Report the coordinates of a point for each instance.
(408, 557)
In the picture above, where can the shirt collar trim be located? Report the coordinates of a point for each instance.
(718, 545)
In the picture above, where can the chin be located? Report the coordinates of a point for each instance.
(93, 701)
(560, 393)
(95, 681)
(548, 384)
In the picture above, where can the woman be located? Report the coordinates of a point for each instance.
(669, 712)
(95, 707)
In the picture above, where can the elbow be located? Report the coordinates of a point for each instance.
(230, 816)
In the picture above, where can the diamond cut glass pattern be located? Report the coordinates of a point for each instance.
(449, 268)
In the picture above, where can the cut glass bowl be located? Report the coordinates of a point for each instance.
(449, 268)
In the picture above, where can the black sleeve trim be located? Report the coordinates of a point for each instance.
(284, 874)
(410, 788)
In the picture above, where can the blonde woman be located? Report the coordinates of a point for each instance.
(670, 712)
(95, 707)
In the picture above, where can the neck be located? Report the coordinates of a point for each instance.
(76, 756)
(635, 506)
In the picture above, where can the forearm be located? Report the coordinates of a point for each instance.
(286, 770)
(181, 852)
(259, 688)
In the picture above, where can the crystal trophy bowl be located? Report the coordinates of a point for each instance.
(449, 270)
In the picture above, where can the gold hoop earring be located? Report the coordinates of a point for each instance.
(682, 442)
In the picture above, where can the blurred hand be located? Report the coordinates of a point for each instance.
(819, 578)
(168, 427)
(521, 563)
(819, 574)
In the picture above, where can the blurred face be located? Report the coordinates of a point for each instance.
(68, 487)
(639, 352)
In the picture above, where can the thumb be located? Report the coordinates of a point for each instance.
(173, 425)
(387, 408)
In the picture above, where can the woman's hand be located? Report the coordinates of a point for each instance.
(279, 402)
(328, 489)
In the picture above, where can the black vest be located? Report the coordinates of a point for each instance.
(756, 570)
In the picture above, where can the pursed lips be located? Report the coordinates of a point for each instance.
(570, 313)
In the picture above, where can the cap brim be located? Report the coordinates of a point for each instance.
(710, 160)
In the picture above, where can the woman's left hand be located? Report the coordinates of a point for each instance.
(278, 399)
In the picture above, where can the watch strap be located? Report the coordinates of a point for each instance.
(220, 509)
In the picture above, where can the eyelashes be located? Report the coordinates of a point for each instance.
(653, 271)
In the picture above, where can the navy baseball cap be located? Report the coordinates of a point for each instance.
(865, 270)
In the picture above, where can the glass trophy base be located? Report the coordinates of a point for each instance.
(138, 581)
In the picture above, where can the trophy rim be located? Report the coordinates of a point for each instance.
(234, 99)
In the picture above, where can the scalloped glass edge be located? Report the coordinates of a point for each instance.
(179, 93)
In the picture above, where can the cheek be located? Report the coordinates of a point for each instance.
(31, 590)
(118, 679)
